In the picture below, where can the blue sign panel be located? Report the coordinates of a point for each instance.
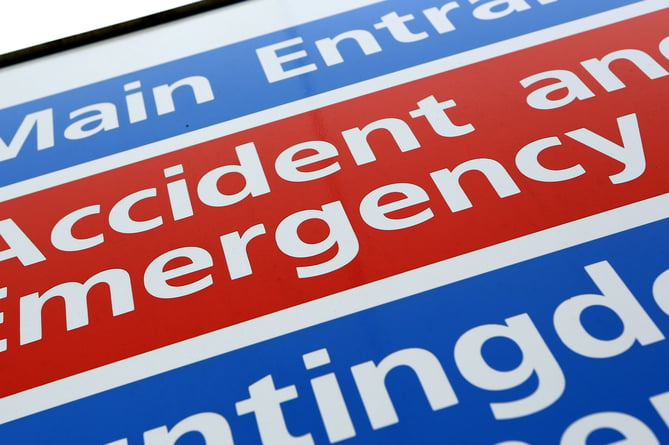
(552, 350)
(118, 114)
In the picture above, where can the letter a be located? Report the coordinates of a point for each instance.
(19, 244)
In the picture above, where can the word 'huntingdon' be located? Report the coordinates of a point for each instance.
(534, 384)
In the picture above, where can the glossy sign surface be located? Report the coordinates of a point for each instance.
(371, 252)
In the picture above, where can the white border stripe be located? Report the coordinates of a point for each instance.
(329, 98)
(332, 307)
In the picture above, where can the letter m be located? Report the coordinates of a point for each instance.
(75, 296)
(42, 121)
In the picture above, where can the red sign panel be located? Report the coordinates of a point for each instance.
(182, 244)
